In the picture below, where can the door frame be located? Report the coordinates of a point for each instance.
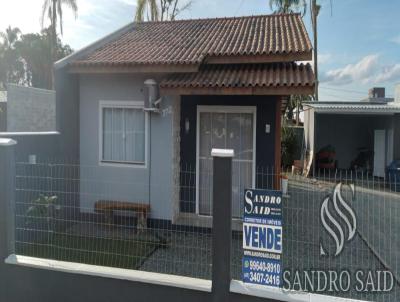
(222, 109)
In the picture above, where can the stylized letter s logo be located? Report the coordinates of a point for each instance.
(335, 230)
(248, 197)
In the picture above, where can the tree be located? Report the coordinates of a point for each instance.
(53, 10)
(26, 59)
(288, 145)
(148, 7)
(35, 50)
(288, 6)
(295, 103)
(170, 9)
(11, 66)
(10, 36)
(314, 10)
(151, 10)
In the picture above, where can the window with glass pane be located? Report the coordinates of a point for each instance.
(124, 135)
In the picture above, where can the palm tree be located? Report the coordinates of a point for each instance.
(11, 67)
(288, 6)
(149, 6)
(161, 10)
(10, 36)
(53, 9)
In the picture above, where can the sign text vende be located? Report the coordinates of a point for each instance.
(266, 238)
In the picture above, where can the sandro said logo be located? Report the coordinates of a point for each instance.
(338, 218)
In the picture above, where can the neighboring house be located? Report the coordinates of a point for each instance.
(147, 104)
(355, 130)
(27, 109)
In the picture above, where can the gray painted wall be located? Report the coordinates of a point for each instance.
(46, 147)
(125, 183)
(396, 135)
(3, 116)
(67, 113)
(30, 109)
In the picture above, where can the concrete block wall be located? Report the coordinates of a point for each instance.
(30, 109)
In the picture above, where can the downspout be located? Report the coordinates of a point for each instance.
(149, 163)
(150, 105)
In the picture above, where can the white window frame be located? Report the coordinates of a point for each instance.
(122, 105)
(222, 109)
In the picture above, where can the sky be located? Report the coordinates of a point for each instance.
(358, 40)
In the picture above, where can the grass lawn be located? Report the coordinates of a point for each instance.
(121, 253)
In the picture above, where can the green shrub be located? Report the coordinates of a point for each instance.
(288, 145)
(42, 207)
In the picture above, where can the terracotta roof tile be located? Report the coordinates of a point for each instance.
(245, 75)
(190, 41)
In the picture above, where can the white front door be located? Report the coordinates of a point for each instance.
(226, 128)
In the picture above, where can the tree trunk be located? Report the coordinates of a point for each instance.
(53, 41)
(314, 16)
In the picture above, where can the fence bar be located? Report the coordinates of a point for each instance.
(222, 220)
(7, 196)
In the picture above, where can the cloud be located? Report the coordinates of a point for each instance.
(96, 18)
(128, 2)
(324, 58)
(360, 71)
(22, 14)
(368, 70)
(396, 40)
(389, 74)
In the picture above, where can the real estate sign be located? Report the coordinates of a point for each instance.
(262, 237)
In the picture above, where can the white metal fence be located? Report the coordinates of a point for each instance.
(374, 247)
(56, 219)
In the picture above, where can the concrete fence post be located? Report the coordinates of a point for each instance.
(7, 197)
(222, 221)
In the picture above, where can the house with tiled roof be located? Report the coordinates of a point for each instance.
(147, 104)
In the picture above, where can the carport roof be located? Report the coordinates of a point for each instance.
(354, 107)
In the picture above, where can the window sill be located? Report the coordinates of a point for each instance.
(278, 294)
(122, 164)
(110, 272)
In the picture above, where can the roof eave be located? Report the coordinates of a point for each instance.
(132, 68)
(356, 111)
(265, 90)
(260, 58)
